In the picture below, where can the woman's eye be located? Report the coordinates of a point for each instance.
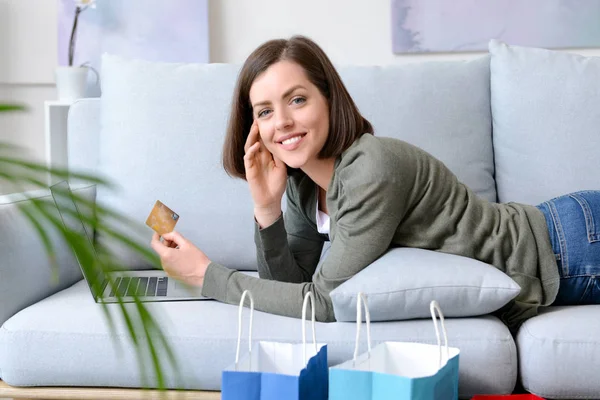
(298, 100)
(263, 113)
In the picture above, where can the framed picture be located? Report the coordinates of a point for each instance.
(420, 26)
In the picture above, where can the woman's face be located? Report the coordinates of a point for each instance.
(291, 112)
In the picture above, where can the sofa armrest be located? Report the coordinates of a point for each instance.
(26, 275)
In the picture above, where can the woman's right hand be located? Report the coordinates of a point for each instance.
(266, 175)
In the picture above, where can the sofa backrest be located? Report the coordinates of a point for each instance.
(158, 133)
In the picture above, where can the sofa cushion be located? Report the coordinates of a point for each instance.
(162, 129)
(442, 106)
(402, 283)
(559, 352)
(65, 340)
(545, 121)
(163, 125)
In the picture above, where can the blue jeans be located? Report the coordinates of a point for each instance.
(574, 226)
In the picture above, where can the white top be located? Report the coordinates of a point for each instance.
(322, 221)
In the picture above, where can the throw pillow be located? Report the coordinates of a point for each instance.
(401, 284)
(545, 122)
(162, 130)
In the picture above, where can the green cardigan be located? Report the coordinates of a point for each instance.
(388, 193)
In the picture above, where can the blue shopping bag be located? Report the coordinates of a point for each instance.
(397, 370)
(273, 370)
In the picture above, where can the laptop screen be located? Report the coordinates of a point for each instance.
(85, 252)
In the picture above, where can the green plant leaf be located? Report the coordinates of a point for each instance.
(17, 170)
(12, 107)
(48, 224)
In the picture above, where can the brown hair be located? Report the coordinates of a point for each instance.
(346, 124)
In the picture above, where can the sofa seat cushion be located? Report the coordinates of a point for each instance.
(559, 352)
(64, 340)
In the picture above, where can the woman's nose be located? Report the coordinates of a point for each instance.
(283, 120)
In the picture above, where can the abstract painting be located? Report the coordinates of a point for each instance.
(420, 26)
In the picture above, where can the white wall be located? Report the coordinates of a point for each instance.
(350, 31)
(28, 39)
(27, 58)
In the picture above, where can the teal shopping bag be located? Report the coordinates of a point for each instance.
(397, 370)
(274, 370)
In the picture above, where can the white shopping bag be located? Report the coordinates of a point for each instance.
(397, 370)
(273, 370)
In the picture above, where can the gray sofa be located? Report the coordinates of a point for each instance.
(514, 125)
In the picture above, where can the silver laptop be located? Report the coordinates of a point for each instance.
(153, 285)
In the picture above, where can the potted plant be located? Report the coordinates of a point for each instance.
(71, 81)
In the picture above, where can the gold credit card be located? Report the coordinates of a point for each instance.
(162, 219)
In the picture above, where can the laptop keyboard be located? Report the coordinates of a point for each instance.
(142, 286)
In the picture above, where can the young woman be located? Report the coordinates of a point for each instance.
(294, 128)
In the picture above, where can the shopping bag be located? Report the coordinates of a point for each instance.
(273, 370)
(397, 370)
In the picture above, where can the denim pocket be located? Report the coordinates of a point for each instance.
(590, 205)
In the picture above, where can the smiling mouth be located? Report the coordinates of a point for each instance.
(293, 140)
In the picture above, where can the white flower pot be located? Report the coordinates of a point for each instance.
(71, 82)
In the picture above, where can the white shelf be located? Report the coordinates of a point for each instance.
(55, 133)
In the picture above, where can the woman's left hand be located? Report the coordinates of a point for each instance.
(180, 258)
